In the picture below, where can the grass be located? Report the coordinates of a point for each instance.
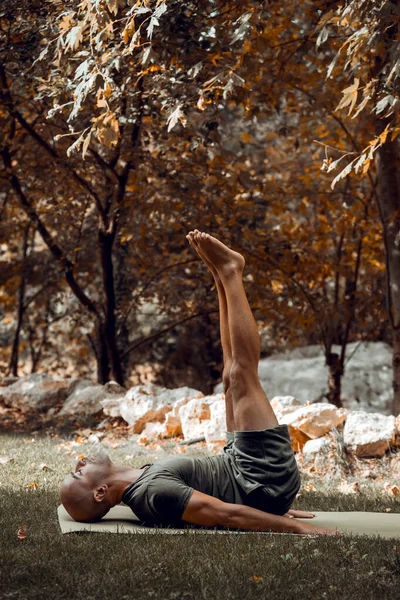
(96, 566)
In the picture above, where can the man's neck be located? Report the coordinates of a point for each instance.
(121, 478)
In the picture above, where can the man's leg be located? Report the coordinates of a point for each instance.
(224, 332)
(251, 408)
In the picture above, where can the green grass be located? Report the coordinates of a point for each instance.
(96, 566)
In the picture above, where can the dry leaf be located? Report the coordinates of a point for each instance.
(256, 578)
(393, 490)
(22, 533)
(349, 488)
(33, 485)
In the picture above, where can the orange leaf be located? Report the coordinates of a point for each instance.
(33, 485)
(21, 535)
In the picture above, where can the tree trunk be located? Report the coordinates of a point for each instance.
(106, 243)
(388, 197)
(13, 365)
(103, 365)
(335, 379)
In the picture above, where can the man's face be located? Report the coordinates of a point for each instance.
(80, 486)
(90, 470)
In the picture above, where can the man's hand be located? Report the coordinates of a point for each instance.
(299, 514)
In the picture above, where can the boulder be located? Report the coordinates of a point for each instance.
(215, 428)
(36, 392)
(147, 403)
(86, 400)
(284, 405)
(366, 384)
(194, 415)
(314, 420)
(369, 434)
(314, 447)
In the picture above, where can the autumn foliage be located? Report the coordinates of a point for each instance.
(125, 124)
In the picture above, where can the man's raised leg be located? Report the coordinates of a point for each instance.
(251, 408)
(224, 332)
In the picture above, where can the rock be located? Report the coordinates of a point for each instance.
(146, 403)
(194, 416)
(112, 387)
(6, 381)
(86, 401)
(215, 428)
(284, 405)
(313, 447)
(369, 434)
(366, 384)
(36, 392)
(316, 419)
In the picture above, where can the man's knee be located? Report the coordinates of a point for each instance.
(241, 375)
(226, 379)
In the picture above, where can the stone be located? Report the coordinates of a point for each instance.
(37, 392)
(316, 419)
(215, 428)
(112, 387)
(284, 405)
(86, 401)
(369, 434)
(147, 403)
(313, 447)
(194, 416)
(366, 384)
(6, 381)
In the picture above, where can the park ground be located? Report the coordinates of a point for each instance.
(38, 562)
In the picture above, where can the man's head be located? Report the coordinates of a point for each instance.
(85, 493)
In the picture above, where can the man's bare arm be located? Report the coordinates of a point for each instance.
(208, 511)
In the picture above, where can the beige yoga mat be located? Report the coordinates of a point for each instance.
(121, 519)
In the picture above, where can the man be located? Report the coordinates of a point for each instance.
(253, 484)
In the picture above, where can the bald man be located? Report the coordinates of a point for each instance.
(252, 485)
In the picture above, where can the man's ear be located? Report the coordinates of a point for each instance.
(100, 493)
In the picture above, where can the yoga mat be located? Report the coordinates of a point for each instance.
(121, 519)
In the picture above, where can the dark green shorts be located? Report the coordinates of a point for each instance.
(266, 461)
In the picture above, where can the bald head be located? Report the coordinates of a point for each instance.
(85, 493)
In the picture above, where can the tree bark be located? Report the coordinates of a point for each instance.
(106, 247)
(335, 379)
(388, 198)
(13, 365)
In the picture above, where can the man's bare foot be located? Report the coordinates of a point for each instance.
(226, 261)
(190, 237)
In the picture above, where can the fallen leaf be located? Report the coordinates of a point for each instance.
(32, 486)
(21, 535)
(393, 490)
(349, 488)
(256, 578)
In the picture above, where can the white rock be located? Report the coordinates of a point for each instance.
(215, 428)
(284, 405)
(194, 416)
(143, 404)
(369, 434)
(366, 384)
(85, 401)
(37, 392)
(313, 447)
(316, 419)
